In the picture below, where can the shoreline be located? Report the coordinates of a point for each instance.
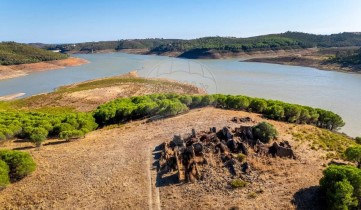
(11, 96)
(13, 71)
(297, 57)
(305, 62)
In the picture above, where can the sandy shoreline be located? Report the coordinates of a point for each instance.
(12, 71)
(11, 96)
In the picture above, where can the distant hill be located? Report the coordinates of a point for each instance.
(110, 45)
(283, 41)
(12, 53)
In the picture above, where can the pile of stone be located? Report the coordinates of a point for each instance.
(190, 155)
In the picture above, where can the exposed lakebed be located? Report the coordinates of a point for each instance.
(335, 91)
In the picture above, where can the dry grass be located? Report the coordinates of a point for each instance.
(109, 170)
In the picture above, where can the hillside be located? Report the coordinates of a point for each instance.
(12, 53)
(191, 48)
(345, 59)
(112, 167)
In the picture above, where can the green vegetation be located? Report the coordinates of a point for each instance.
(37, 126)
(354, 154)
(111, 45)
(358, 140)
(20, 164)
(288, 40)
(264, 132)
(4, 174)
(12, 53)
(237, 183)
(323, 139)
(342, 187)
(124, 109)
(348, 58)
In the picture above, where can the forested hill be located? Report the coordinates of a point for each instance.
(12, 53)
(288, 40)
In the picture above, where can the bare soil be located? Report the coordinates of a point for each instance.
(315, 58)
(111, 168)
(12, 71)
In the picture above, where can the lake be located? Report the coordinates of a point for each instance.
(335, 91)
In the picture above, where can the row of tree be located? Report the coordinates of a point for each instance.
(38, 126)
(124, 109)
(12, 53)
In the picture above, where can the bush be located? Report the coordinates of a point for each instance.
(238, 102)
(341, 186)
(354, 154)
(237, 183)
(358, 140)
(20, 164)
(264, 132)
(4, 174)
(292, 113)
(196, 101)
(38, 136)
(258, 105)
(275, 112)
(207, 100)
(74, 134)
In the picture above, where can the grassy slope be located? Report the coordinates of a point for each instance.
(12, 53)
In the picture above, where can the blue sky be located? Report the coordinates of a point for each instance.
(67, 21)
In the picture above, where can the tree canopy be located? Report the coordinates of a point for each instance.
(12, 53)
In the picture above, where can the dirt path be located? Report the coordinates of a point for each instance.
(110, 169)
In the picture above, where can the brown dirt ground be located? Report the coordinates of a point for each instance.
(110, 169)
(7, 72)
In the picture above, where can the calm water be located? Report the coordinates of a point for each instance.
(339, 92)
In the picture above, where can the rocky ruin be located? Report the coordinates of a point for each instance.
(189, 155)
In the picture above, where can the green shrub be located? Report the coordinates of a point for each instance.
(207, 100)
(275, 112)
(196, 101)
(186, 99)
(4, 174)
(238, 102)
(173, 108)
(258, 105)
(2, 136)
(342, 187)
(237, 183)
(264, 132)
(20, 164)
(358, 140)
(38, 136)
(74, 134)
(354, 154)
(292, 113)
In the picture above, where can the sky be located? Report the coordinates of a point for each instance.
(71, 21)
